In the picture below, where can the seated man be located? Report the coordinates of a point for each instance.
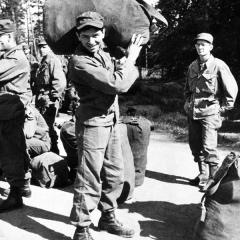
(37, 140)
(36, 133)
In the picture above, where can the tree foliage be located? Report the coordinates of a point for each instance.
(173, 50)
(27, 14)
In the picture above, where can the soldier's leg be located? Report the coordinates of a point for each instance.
(50, 116)
(14, 161)
(37, 147)
(211, 125)
(196, 146)
(92, 143)
(112, 183)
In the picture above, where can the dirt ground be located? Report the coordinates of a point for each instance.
(165, 207)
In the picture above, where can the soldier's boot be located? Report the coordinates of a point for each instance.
(109, 223)
(82, 233)
(212, 170)
(13, 201)
(25, 190)
(201, 179)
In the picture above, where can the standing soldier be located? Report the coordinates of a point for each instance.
(98, 81)
(210, 91)
(15, 95)
(49, 87)
(33, 64)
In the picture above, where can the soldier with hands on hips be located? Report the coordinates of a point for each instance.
(210, 92)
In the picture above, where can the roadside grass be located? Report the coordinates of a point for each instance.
(162, 104)
(161, 108)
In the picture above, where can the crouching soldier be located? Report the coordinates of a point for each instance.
(15, 95)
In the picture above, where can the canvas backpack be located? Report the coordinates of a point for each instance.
(49, 170)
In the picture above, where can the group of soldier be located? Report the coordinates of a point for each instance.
(98, 80)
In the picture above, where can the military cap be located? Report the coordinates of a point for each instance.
(6, 26)
(41, 41)
(204, 36)
(89, 18)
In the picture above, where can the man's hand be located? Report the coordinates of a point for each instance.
(134, 47)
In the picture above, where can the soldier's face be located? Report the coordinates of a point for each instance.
(44, 50)
(203, 48)
(91, 39)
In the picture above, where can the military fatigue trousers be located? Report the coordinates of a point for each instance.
(203, 138)
(14, 160)
(99, 178)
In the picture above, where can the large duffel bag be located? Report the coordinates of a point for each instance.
(122, 18)
(138, 130)
(129, 171)
(220, 217)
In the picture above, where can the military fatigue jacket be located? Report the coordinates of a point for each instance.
(98, 81)
(51, 79)
(15, 74)
(209, 90)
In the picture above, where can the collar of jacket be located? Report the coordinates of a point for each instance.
(208, 62)
(6, 54)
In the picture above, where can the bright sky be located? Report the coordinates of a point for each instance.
(152, 2)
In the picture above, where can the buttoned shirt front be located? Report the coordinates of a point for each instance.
(98, 81)
(210, 87)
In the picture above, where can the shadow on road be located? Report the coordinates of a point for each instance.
(167, 178)
(24, 219)
(166, 221)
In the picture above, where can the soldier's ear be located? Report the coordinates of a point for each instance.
(211, 48)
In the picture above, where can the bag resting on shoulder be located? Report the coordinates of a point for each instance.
(122, 18)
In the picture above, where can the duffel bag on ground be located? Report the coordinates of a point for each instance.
(122, 18)
(220, 218)
(49, 170)
(129, 171)
(138, 130)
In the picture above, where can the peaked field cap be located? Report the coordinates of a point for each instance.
(89, 18)
(6, 26)
(204, 36)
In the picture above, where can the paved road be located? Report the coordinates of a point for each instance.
(165, 207)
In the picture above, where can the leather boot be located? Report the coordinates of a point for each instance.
(13, 201)
(212, 170)
(201, 179)
(82, 233)
(109, 223)
(25, 190)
